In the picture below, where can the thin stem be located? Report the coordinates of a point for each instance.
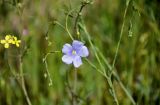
(127, 93)
(78, 16)
(117, 78)
(92, 65)
(104, 59)
(23, 83)
(45, 57)
(69, 87)
(95, 52)
(21, 63)
(46, 65)
(75, 80)
(73, 94)
(124, 89)
(117, 49)
(112, 91)
(60, 25)
(75, 87)
(121, 34)
(66, 27)
(50, 80)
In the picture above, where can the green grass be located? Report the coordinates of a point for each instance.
(103, 79)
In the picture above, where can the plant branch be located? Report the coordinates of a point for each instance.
(83, 4)
(46, 65)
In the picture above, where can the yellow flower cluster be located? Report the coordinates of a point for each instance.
(10, 40)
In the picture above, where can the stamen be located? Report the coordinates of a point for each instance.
(73, 52)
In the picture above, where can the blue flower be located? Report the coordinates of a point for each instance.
(74, 52)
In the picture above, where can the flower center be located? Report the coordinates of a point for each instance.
(73, 52)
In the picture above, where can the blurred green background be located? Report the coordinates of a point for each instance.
(137, 64)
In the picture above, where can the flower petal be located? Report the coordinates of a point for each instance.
(67, 59)
(3, 41)
(6, 45)
(17, 44)
(77, 61)
(7, 37)
(77, 45)
(67, 49)
(83, 52)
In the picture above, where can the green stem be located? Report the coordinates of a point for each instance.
(117, 78)
(66, 27)
(46, 65)
(92, 65)
(124, 89)
(112, 90)
(95, 52)
(121, 34)
(75, 87)
(23, 84)
(102, 67)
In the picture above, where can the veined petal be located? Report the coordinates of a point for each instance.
(67, 59)
(83, 52)
(77, 61)
(67, 49)
(77, 45)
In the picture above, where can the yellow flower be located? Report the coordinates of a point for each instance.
(7, 41)
(16, 42)
(10, 40)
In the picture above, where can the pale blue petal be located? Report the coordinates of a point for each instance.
(77, 61)
(67, 59)
(77, 45)
(83, 52)
(67, 49)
